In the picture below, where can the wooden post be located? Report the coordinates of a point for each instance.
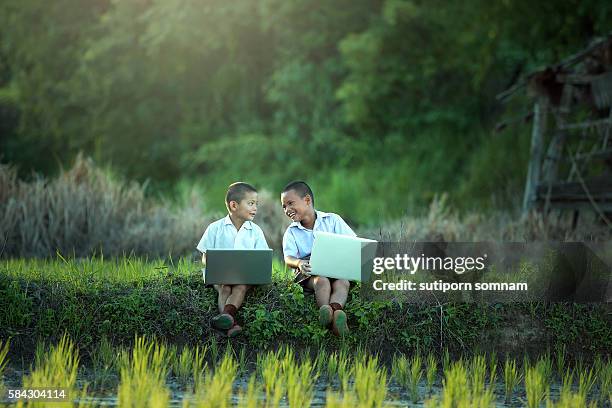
(555, 148)
(537, 148)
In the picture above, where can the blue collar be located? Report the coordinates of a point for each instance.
(320, 215)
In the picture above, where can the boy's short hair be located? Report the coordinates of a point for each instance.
(236, 192)
(301, 188)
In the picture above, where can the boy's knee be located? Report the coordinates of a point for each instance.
(239, 289)
(320, 282)
(341, 284)
(225, 290)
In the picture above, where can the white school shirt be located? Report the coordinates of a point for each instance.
(223, 234)
(297, 241)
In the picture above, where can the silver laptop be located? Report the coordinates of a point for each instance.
(342, 257)
(238, 266)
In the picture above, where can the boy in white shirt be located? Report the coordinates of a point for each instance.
(297, 200)
(236, 230)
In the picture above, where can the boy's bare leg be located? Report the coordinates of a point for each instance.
(237, 295)
(340, 289)
(321, 287)
(339, 293)
(224, 292)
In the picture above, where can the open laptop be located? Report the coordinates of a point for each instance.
(238, 266)
(342, 256)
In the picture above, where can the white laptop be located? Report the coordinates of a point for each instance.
(342, 256)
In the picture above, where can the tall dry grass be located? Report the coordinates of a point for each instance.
(441, 223)
(85, 210)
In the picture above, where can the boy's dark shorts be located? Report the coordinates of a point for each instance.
(302, 279)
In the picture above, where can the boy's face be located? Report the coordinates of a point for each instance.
(294, 206)
(246, 208)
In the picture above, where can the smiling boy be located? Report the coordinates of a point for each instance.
(236, 230)
(297, 200)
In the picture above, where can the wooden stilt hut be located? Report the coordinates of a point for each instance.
(570, 165)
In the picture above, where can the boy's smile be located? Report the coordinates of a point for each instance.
(296, 207)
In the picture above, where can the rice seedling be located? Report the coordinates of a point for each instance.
(321, 360)
(242, 363)
(272, 379)
(56, 368)
(586, 380)
(478, 370)
(579, 363)
(605, 383)
(431, 372)
(445, 360)
(526, 362)
(492, 368)
(4, 349)
(345, 371)
(143, 375)
(456, 391)
(512, 377)
(39, 352)
(337, 400)
(455, 385)
(535, 386)
(416, 373)
(300, 383)
(399, 371)
(370, 385)
(567, 382)
(332, 366)
(545, 364)
(182, 364)
(215, 390)
(338, 365)
(199, 363)
(103, 358)
(598, 365)
(250, 398)
(560, 355)
(572, 401)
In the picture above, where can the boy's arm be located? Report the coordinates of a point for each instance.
(207, 241)
(289, 250)
(260, 240)
(301, 264)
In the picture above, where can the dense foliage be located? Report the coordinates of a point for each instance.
(380, 104)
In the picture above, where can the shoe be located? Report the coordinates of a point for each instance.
(234, 331)
(325, 315)
(223, 321)
(339, 326)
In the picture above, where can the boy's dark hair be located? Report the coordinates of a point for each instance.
(301, 188)
(236, 191)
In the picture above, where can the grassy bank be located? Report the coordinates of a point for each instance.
(92, 299)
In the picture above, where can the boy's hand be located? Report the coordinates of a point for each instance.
(304, 266)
